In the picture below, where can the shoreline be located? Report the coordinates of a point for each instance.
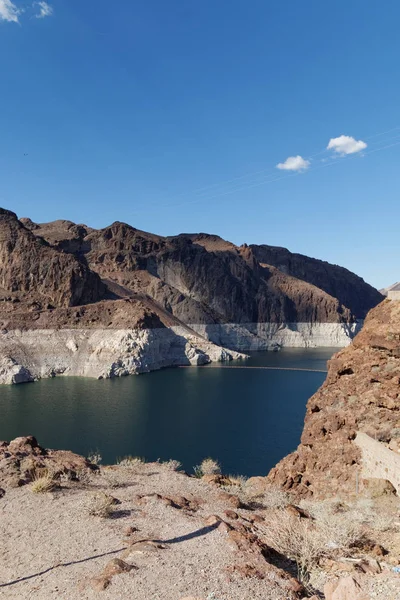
(29, 355)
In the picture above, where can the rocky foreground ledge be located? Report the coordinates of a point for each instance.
(73, 529)
(361, 394)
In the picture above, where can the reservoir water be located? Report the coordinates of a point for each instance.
(247, 418)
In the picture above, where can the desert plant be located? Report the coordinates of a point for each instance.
(130, 461)
(172, 465)
(209, 466)
(273, 497)
(197, 472)
(112, 477)
(237, 480)
(95, 457)
(101, 505)
(84, 476)
(43, 481)
(340, 523)
(307, 541)
(340, 531)
(297, 539)
(383, 522)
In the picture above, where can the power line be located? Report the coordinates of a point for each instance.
(203, 196)
(272, 170)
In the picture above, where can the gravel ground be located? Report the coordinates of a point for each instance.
(39, 532)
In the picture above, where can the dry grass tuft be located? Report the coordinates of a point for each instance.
(131, 461)
(101, 505)
(113, 478)
(237, 480)
(43, 481)
(172, 465)
(273, 497)
(383, 522)
(296, 539)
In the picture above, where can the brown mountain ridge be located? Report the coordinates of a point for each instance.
(198, 278)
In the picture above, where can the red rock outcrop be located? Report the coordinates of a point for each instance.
(361, 393)
(22, 458)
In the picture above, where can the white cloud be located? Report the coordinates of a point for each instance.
(8, 11)
(294, 163)
(345, 144)
(45, 10)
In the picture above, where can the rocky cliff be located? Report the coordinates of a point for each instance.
(31, 268)
(202, 279)
(361, 394)
(61, 275)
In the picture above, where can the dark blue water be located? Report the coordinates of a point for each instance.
(246, 418)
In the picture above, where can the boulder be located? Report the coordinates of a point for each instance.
(231, 514)
(229, 499)
(22, 457)
(346, 588)
(25, 445)
(116, 566)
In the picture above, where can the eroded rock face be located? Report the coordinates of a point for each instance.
(202, 279)
(23, 457)
(30, 268)
(361, 393)
(332, 279)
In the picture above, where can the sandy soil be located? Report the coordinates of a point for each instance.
(51, 548)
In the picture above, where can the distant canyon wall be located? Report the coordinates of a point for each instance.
(245, 337)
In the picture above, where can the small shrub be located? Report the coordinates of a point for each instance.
(112, 477)
(43, 481)
(209, 466)
(237, 480)
(273, 497)
(307, 541)
(236, 485)
(297, 539)
(172, 465)
(340, 524)
(130, 461)
(340, 531)
(95, 457)
(198, 473)
(84, 476)
(383, 522)
(101, 505)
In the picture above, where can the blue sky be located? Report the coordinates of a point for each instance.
(173, 116)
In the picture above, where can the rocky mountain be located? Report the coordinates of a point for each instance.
(61, 275)
(32, 268)
(361, 394)
(332, 279)
(203, 279)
